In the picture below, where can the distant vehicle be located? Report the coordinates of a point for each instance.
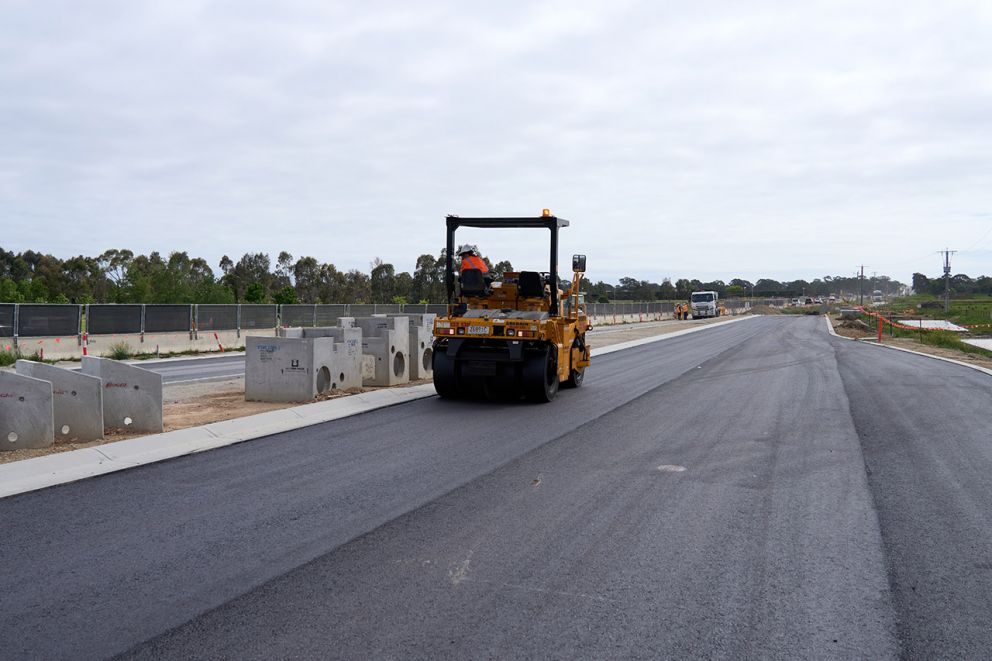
(704, 304)
(832, 299)
(819, 300)
(809, 301)
(877, 297)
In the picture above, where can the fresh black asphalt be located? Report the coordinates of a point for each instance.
(755, 490)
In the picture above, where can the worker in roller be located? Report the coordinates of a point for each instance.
(472, 259)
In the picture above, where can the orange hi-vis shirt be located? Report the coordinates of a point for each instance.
(473, 262)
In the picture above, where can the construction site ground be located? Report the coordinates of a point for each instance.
(859, 330)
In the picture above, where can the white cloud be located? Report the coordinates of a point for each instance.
(713, 140)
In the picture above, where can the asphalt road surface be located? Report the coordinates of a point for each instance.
(755, 490)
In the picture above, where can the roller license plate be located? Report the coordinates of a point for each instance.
(478, 330)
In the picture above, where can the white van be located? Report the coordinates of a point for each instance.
(704, 304)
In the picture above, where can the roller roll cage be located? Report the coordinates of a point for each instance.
(552, 223)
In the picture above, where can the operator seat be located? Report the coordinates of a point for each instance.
(530, 285)
(474, 283)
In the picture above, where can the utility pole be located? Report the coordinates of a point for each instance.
(861, 287)
(947, 278)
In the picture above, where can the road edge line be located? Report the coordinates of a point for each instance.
(28, 475)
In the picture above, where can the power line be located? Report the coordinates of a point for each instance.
(988, 232)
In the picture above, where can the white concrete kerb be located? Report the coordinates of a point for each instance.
(41, 472)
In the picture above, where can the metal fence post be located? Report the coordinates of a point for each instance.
(143, 323)
(238, 322)
(17, 309)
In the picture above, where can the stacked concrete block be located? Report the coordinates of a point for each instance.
(77, 400)
(385, 349)
(421, 345)
(26, 412)
(132, 396)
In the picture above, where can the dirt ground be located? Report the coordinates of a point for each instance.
(203, 402)
(860, 330)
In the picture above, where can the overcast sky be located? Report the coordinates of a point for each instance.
(682, 139)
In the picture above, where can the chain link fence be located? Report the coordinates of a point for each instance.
(297, 315)
(328, 315)
(113, 319)
(7, 319)
(43, 320)
(216, 317)
(168, 318)
(258, 316)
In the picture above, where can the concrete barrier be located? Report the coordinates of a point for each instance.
(65, 347)
(77, 400)
(421, 344)
(385, 349)
(177, 342)
(26, 412)
(292, 369)
(132, 396)
(616, 319)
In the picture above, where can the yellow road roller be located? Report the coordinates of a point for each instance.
(513, 336)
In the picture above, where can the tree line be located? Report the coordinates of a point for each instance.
(120, 276)
(643, 290)
(960, 285)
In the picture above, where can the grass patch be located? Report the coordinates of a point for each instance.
(120, 351)
(940, 338)
(8, 358)
(964, 311)
(952, 340)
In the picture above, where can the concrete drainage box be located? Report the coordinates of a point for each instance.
(77, 400)
(289, 369)
(26, 412)
(421, 345)
(386, 349)
(346, 359)
(132, 396)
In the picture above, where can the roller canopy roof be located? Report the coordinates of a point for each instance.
(548, 222)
